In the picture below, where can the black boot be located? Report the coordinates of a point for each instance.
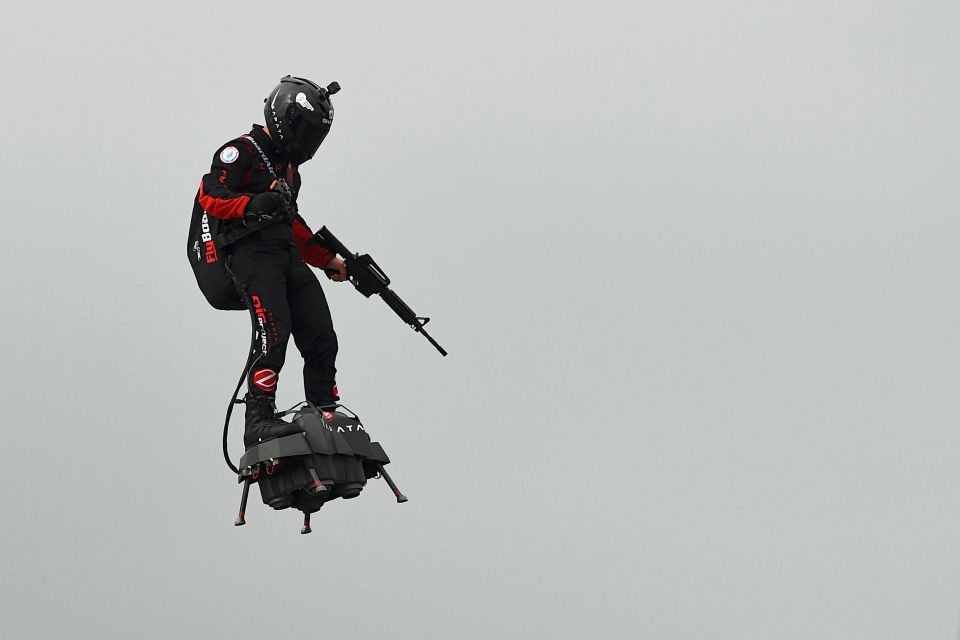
(262, 421)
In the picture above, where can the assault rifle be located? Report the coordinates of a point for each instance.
(369, 279)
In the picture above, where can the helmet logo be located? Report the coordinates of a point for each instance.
(302, 101)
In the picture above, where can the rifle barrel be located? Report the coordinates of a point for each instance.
(426, 335)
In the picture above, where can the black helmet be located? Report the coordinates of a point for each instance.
(299, 115)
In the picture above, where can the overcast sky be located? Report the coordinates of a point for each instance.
(694, 262)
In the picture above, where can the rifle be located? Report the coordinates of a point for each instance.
(368, 278)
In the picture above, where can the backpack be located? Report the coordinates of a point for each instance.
(208, 261)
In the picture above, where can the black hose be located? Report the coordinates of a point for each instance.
(233, 400)
(251, 360)
(226, 421)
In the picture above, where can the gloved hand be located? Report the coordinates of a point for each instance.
(336, 269)
(265, 207)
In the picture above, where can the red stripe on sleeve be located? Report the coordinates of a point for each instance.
(223, 208)
(312, 253)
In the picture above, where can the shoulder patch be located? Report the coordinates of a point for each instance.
(229, 155)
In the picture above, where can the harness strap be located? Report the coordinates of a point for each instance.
(263, 155)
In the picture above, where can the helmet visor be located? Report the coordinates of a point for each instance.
(308, 134)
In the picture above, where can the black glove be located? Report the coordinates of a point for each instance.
(266, 207)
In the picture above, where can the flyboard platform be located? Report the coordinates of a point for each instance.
(333, 457)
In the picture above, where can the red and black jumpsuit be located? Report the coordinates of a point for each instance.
(270, 269)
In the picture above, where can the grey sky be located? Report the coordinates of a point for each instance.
(694, 262)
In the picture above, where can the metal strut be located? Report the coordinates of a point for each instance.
(393, 487)
(306, 524)
(243, 504)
